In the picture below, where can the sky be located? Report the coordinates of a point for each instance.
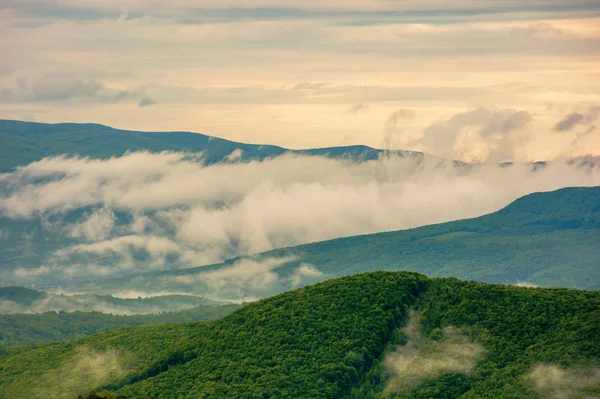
(474, 80)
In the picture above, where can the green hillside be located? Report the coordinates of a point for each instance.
(373, 335)
(547, 239)
(25, 300)
(26, 329)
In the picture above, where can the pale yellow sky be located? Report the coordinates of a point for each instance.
(473, 80)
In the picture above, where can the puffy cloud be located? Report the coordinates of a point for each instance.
(95, 226)
(250, 276)
(303, 272)
(499, 132)
(152, 250)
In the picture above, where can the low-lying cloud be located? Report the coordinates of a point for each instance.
(247, 276)
(423, 358)
(117, 305)
(86, 370)
(144, 211)
(555, 382)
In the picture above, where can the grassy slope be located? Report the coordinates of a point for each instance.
(328, 341)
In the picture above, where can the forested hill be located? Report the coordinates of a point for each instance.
(373, 335)
(26, 142)
(546, 239)
(27, 329)
(25, 300)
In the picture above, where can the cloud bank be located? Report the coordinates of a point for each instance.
(143, 211)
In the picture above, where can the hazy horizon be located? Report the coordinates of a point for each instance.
(471, 80)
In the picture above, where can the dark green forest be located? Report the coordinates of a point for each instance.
(372, 335)
(25, 300)
(26, 329)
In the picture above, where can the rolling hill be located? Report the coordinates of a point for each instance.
(546, 239)
(373, 335)
(25, 300)
(27, 329)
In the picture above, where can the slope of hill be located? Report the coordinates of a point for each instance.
(352, 337)
(547, 239)
(26, 142)
(25, 300)
(26, 329)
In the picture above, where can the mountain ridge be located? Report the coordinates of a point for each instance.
(26, 142)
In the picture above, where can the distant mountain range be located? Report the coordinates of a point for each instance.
(374, 335)
(546, 239)
(26, 142)
(25, 300)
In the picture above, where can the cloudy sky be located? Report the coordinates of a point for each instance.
(469, 79)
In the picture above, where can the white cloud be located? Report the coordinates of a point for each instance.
(555, 382)
(21, 272)
(95, 226)
(499, 132)
(304, 272)
(247, 276)
(84, 370)
(422, 358)
(235, 155)
(182, 213)
(525, 284)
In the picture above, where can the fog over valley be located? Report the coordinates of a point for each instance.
(145, 211)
